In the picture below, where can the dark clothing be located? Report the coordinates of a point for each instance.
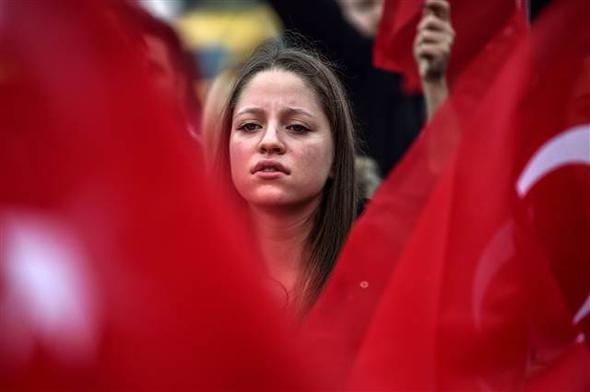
(388, 119)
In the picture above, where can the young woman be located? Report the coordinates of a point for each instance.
(286, 148)
(287, 144)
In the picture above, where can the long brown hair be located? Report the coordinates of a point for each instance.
(336, 211)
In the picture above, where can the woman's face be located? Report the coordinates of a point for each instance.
(281, 148)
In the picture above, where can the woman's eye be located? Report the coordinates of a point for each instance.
(298, 128)
(249, 127)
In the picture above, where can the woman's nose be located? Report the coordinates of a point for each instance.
(271, 142)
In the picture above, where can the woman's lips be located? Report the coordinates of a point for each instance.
(267, 168)
(269, 175)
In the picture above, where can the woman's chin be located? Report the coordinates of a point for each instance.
(272, 201)
(279, 197)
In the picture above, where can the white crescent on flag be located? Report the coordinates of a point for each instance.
(569, 147)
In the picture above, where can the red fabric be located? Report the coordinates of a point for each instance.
(92, 166)
(338, 323)
(102, 198)
(489, 293)
(569, 372)
(474, 22)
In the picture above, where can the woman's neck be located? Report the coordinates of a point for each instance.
(282, 235)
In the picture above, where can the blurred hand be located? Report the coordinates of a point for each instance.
(433, 41)
(363, 15)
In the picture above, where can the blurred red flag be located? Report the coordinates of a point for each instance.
(120, 268)
(338, 322)
(492, 290)
(475, 23)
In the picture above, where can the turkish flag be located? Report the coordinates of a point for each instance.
(492, 290)
(339, 320)
(475, 24)
(120, 267)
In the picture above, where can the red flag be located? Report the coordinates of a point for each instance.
(338, 323)
(120, 269)
(492, 291)
(475, 23)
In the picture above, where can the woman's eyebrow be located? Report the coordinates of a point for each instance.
(291, 111)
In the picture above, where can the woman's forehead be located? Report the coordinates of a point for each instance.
(277, 86)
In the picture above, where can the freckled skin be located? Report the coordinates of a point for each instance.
(278, 117)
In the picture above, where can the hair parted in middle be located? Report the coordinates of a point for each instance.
(336, 212)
